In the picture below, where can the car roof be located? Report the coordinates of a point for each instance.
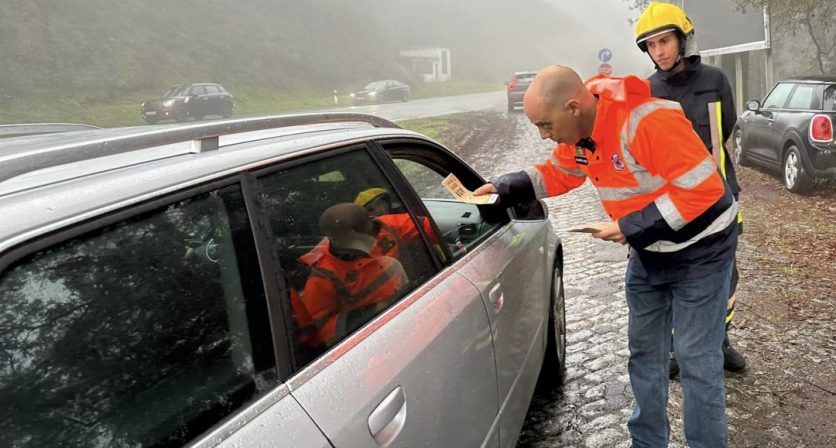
(529, 72)
(50, 181)
(813, 78)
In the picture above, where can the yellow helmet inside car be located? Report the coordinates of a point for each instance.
(368, 195)
(660, 18)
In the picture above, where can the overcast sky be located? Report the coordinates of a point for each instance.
(608, 22)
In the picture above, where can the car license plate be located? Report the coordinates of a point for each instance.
(151, 112)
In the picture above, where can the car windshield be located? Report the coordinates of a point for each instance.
(375, 85)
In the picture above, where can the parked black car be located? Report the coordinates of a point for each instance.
(516, 88)
(791, 131)
(189, 101)
(381, 92)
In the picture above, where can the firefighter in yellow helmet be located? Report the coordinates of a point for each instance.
(665, 33)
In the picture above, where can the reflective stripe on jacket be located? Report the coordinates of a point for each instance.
(339, 289)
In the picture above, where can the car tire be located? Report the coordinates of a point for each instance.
(151, 120)
(227, 112)
(180, 117)
(510, 106)
(405, 97)
(739, 157)
(796, 178)
(554, 364)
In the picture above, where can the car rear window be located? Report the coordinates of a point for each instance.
(830, 98)
(524, 76)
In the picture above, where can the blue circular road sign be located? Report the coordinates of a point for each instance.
(604, 55)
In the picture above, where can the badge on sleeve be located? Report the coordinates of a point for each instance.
(617, 163)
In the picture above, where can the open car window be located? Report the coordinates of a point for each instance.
(462, 226)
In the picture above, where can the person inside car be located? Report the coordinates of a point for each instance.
(348, 283)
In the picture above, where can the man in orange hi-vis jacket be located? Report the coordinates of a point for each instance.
(347, 285)
(667, 200)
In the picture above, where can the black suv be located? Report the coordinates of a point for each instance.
(791, 131)
(191, 100)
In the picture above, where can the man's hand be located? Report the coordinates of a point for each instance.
(485, 189)
(611, 232)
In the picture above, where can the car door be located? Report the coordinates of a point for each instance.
(198, 101)
(144, 328)
(417, 371)
(760, 133)
(795, 118)
(508, 263)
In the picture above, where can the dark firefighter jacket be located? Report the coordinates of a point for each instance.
(693, 88)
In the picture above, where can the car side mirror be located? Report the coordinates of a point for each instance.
(753, 105)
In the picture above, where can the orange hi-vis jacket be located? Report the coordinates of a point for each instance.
(339, 291)
(649, 167)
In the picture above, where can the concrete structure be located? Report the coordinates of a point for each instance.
(753, 50)
(432, 63)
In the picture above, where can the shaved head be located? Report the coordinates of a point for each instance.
(561, 107)
(556, 84)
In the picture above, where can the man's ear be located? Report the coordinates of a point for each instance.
(573, 106)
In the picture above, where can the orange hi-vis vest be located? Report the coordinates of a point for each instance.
(336, 288)
(649, 167)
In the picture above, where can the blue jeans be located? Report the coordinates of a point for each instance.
(696, 308)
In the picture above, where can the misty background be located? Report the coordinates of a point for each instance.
(75, 54)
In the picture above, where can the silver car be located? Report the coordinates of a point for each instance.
(180, 286)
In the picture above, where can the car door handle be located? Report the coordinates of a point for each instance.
(388, 418)
(496, 297)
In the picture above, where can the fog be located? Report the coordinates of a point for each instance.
(82, 54)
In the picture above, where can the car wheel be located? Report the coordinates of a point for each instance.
(180, 117)
(554, 364)
(739, 156)
(795, 178)
(405, 97)
(510, 106)
(227, 112)
(151, 120)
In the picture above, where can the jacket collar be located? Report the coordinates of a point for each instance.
(611, 90)
(683, 77)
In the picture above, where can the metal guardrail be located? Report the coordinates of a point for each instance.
(204, 137)
(18, 130)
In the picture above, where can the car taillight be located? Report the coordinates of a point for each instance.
(821, 129)
(513, 84)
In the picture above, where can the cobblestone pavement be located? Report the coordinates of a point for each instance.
(596, 400)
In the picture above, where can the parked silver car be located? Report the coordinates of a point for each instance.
(172, 286)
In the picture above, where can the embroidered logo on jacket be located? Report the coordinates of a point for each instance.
(617, 163)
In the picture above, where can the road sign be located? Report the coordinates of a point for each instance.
(605, 69)
(604, 55)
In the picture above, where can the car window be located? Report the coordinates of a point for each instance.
(197, 90)
(212, 89)
(829, 98)
(462, 226)
(347, 246)
(137, 334)
(778, 96)
(802, 97)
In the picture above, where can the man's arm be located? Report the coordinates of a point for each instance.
(666, 145)
(553, 177)
(729, 111)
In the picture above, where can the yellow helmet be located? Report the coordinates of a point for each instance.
(660, 18)
(368, 195)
